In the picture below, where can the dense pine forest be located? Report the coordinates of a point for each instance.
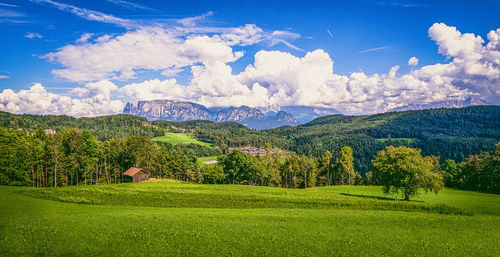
(103, 128)
(61, 150)
(448, 133)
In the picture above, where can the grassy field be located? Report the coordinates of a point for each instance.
(201, 161)
(179, 138)
(172, 218)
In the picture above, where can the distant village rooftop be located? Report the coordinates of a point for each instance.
(253, 150)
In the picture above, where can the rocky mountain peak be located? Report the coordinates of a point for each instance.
(183, 111)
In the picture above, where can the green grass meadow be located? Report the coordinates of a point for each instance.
(179, 138)
(169, 218)
(201, 161)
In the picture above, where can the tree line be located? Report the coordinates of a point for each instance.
(332, 150)
(399, 169)
(76, 157)
(479, 172)
(281, 169)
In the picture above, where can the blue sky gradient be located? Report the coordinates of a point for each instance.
(367, 36)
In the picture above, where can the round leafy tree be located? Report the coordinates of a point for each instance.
(403, 170)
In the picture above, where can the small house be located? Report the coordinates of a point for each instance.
(135, 175)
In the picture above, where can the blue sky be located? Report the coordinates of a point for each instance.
(363, 38)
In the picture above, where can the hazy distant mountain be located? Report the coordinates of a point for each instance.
(304, 114)
(183, 111)
(242, 113)
(471, 101)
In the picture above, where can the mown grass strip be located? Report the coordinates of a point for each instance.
(181, 195)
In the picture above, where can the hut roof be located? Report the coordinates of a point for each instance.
(132, 171)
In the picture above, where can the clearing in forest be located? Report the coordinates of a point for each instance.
(179, 138)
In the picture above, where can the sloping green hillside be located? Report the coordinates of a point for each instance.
(179, 138)
(244, 197)
(104, 127)
(448, 133)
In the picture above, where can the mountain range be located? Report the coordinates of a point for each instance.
(255, 118)
(260, 118)
(470, 101)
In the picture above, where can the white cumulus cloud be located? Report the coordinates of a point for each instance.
(149, 48)
(274, 78)
(37, 100)
(84, 38)
(413, 61)
(154, 89)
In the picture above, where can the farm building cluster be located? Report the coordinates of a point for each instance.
(255, 151)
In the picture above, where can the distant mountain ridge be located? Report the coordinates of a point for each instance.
(255, 118)
(305, 114)
(470, 101)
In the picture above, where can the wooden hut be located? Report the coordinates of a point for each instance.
(135, 175)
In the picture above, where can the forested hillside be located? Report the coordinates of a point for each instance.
(103, 128)
(227, 134)
(448, 133)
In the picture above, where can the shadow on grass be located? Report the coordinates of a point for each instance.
(380, 197)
